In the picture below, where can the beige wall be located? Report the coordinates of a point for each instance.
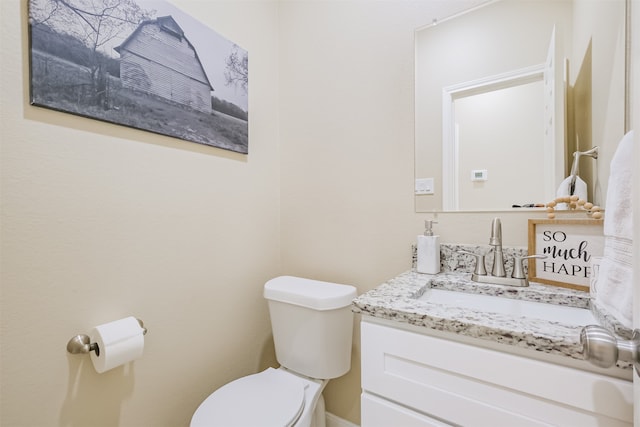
(346, 111)
(100, 221)
(596, 74)
(346, 129)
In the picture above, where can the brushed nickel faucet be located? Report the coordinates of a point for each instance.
(496, 241)
(498, 274)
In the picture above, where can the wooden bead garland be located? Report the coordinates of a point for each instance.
(574, 203)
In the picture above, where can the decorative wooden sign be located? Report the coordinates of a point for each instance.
(569, 245)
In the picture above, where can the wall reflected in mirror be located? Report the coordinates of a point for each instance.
(520, 146)
(494, 149)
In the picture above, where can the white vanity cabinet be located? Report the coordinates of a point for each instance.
(413, 379)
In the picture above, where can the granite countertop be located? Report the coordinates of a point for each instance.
(397, 300)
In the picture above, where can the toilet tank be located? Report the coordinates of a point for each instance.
(312, 325)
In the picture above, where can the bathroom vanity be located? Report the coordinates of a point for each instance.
(442, 350)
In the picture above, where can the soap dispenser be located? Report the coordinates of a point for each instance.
(428, 250)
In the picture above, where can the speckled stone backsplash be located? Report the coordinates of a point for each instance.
(453, 261)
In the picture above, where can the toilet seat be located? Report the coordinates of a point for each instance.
(269, 398)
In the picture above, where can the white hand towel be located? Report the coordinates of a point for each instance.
(614, 284)
(619, 209)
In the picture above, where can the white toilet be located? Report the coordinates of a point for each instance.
(312, 328)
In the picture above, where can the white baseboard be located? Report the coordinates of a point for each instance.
(335, 421)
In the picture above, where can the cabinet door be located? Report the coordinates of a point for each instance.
(467, 385)
(378, 412)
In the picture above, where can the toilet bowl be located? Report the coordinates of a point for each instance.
(312, 328)
(274, 397)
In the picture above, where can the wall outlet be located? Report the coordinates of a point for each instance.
(424, 186)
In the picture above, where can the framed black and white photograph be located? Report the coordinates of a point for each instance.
(143, 64)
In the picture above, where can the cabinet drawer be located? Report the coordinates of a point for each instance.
(470, 385)
(377, 412)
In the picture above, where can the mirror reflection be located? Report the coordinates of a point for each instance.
(506, 93)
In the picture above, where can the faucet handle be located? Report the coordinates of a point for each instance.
(480, 269)
(518, 270)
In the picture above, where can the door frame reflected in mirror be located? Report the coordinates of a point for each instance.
(450, 154)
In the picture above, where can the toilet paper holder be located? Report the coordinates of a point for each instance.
(81, 344)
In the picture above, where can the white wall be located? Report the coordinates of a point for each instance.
(100, 222)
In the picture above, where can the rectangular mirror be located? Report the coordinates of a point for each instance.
(506, 92)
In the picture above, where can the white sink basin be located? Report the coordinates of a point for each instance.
(513, 307)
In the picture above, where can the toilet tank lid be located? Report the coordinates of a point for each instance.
(309, 293)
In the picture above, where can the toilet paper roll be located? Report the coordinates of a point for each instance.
(119, 342)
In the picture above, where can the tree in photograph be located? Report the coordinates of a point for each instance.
(95, 23)
(237, 69)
